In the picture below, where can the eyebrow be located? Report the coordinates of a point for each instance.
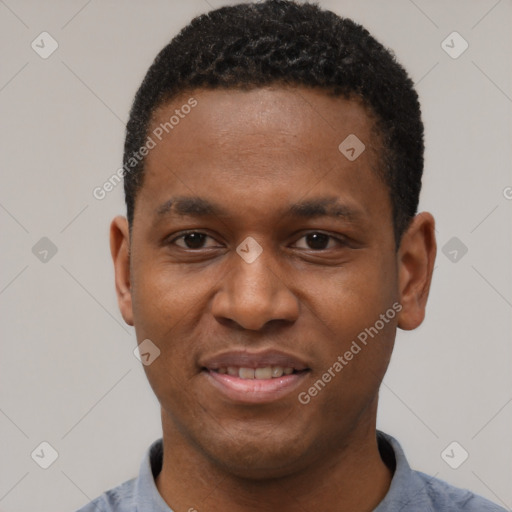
(195, 206)
(324, 207)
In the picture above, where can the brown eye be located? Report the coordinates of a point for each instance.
(316, 241)
(192, 240)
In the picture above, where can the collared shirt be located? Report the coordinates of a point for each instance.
(410, 491)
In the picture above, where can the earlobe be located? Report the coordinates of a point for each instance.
(120, 250)
(416, 257)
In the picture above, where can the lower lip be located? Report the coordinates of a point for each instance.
(254, 391)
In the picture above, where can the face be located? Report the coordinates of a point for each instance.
(259, 255)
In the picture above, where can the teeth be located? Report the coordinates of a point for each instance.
(263, 373)
(268, 372)
(246, 373)
(277, 371)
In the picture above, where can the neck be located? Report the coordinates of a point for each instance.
(352, 477)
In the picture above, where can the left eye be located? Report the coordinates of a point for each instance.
(192, 240)
(317, 241)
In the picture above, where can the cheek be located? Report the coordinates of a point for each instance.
(164, 298)
(355, 296)
(165, 313)
(353, 310)
(358, 329)
(169, 307)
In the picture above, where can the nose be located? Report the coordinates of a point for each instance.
(254, 295)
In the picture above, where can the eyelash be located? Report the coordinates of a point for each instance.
(340, 241)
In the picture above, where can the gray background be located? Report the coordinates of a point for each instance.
(67, 372)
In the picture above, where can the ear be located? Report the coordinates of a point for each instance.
(120, 249)
(415, 260)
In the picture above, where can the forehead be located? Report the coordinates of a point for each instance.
(300, 117)
(270, 142)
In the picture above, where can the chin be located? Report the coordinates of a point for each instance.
(261, 467)
(258, 457)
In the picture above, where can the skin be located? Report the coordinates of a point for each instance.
(254, 153)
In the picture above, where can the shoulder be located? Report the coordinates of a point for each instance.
(415, 491)
(139, 493)
(440, 495)
(118, 499)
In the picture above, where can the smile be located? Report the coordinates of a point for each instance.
(242, 377)
(254, 390)
(267, 372)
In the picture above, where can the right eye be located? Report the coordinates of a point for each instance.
(192, 240)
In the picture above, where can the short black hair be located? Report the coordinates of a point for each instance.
(259, 44)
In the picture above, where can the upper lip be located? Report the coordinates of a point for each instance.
(248, 359)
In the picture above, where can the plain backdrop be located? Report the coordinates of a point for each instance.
(68, 376)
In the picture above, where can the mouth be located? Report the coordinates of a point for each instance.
(250, 378)
(266, 372)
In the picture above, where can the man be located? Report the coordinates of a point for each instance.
(272, 247)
